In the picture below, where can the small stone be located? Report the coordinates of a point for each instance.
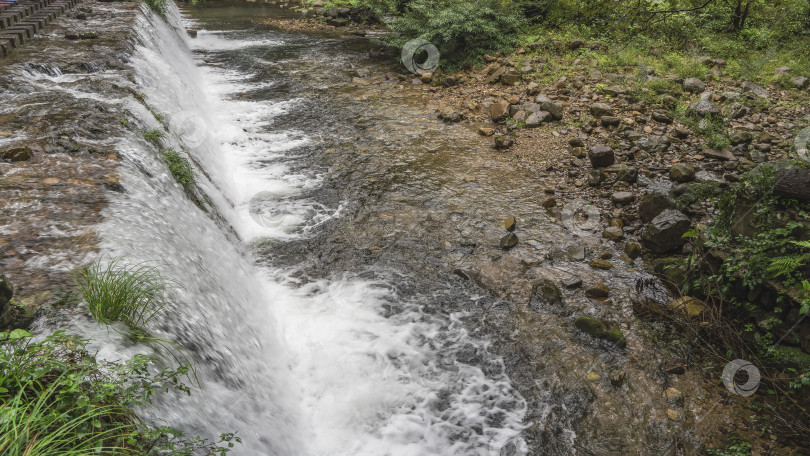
(800, 82)
(694, 85)
(509, 223)
(601, 156)
(682, 172)
(600, 264)
(427, 77)
(592, 376)
(499, 110)
(665, 232)
(757, 90)
(600, 110)
(553, 108)
(572, 282)
(674, 415)
(548, 292)
(704, 108)
(633, 250)
(503, 142)
(508, 241)
(510, 78)
(486, 131)
(659, 115)
(548, 201)
(610, 121)
(623, 197)
(16, 154)
(598, 290)
(613, 233)
(673, 396)
(687, 305)
(538, 118)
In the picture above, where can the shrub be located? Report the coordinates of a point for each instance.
(160, 7)
(58, 400)
(180, 168)
(460, 31)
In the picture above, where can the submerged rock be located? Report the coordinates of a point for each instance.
(601, 330)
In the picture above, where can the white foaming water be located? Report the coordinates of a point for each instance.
(312, 370)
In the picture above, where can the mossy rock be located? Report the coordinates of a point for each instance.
(672, 269)
(601, 330)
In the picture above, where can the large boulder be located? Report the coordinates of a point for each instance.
(682, 172)
(665, 232)
(499, 110)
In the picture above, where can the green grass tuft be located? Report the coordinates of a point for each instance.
(180, 168)
(153, 136)
(133, 295)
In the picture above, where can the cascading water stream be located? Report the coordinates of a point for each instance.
(314, 369)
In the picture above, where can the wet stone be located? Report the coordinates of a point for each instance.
(508, 241)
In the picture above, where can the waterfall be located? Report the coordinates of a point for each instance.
(313, 369)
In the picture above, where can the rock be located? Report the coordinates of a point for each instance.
(509, 223)
(741, 137)
(653, 204)
(665, 232)
(191, 33)
(598, 290)
(595, 177)
(538, 118)
(682, 172)
(548, 292)
(717, 154)
(426, 77)
(486, 131)
(599, 263)
(503, 142)
(575, 44)
(338, 22)
(510, 78)
(629, 175)
(16, 154)
(704, 108)
(499, 110)
(654, 144)
(71, 35)
(694, 85)
(675, 415)
(613, 233)
(599, 110)
(508, 241)
(553, 108)
(687, 305)
(496, 75)
(601, 156)
(572, 282)
(548, 201)
(673, 396)
(88, 35)
(610, 121)
(737, 111)
(800, 82)
(659, 115)
(757, 90)
(632, 250)
(622, 197)
(598, 329)
(451, 116)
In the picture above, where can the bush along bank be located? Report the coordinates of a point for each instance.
(57, 398)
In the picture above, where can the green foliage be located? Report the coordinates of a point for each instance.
(461, 32)
(180, 168)
(58, 400)
(133, 295)
(153, 136)
(736, 447)
(160, 7)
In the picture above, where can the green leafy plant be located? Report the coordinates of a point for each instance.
(153, 136)
(58, 400)
(180, 168)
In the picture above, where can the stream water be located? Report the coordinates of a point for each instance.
(316, 367)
